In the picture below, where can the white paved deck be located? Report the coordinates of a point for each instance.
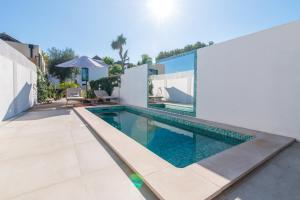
(277, 179)
(51, 154)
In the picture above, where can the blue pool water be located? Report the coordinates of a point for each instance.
(179, 146)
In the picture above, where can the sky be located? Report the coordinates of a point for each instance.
(89, 26)
(180, 63)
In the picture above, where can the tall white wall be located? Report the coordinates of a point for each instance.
(253, 81)
(17, 82)
(134, 86)
(175, 87)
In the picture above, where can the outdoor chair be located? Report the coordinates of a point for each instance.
(74, 94)
(102, 95)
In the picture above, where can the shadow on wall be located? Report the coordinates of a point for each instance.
(178, 96)
(22, 100)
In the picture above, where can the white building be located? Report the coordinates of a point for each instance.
(31, 51)
(94, 73)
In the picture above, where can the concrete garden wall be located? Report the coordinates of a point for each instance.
(253, 81)
(17, 82)
(134, 86)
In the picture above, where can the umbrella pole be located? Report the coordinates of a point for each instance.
(86, 89)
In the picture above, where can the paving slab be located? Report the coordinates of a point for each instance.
(277, 179)
(49, 153)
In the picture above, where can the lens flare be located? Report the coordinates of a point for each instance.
(161, 10)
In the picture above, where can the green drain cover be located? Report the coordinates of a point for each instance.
(136, 180)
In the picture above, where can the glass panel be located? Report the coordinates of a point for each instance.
(84, 74)
(171, 84)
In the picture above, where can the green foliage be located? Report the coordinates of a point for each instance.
(42, 87)
(115, 69)
(119, 42)
(150, 87)
(90, 94)
(52, 93)
(108, 60)
(106, 84)
(118, 45)
(65, 85)
(146, 59)
(190, 47)
(130, 65)
(45, 90)
(57, 56)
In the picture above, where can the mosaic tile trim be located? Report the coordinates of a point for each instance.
(182, 112)
(177, 121)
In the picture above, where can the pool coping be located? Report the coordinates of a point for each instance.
(203, 180)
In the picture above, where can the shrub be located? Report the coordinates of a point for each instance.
(64, 86)
(150, 87)
(107, 84)
(90, 94)
(115, 69)
(42, 87)
(51, 91)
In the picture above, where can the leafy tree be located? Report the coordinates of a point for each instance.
(190, 47)
(57, 56)
(107, 84)
(115, 69)
(146, 59)
(108, 60)
(119, 44)
(210, 43)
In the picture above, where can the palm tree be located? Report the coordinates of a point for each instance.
(118, 45)
(146, 59)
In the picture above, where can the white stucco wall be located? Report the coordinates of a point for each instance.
(253, 81)
(175, 87)
(17, 82)
(95, 73)
(134, 86)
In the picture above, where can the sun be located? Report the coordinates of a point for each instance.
(161, 10)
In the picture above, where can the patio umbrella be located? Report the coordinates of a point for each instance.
(83, 62)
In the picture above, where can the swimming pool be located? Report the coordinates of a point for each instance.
(179, 141)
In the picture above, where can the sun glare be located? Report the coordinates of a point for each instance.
(161, 10)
